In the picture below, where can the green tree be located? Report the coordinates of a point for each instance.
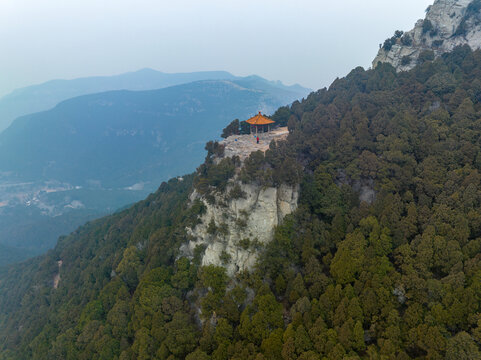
(232, 129)
(462, 347)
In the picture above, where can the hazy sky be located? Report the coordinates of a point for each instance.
(310, 42)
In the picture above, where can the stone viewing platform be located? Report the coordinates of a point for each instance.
(244, 145)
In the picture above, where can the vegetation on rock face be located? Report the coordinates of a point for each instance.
(388, 44)
(473, 11)
(428, 27)
(426, 55)
(213, 176)
(407, 40)
(232, 129)
(406, 60)
(397, 277)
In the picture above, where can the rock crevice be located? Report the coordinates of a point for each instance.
(233, 231)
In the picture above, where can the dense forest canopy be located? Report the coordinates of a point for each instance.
(392, 275)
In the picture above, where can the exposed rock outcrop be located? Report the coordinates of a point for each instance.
(243, 145)
(237, 223)
(448, 24)
(56, 278)
(234, 230)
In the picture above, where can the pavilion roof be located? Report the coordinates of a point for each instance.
(259, 119)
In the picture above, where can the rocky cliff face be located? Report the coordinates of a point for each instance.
(233, 230)
(448, 23)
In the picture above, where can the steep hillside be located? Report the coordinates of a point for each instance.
(392, 275)
(448, 23)
(10, 255)
(45, 96)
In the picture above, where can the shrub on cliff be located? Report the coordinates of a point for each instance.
(232, 129)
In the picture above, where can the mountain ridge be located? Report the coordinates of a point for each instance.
(44, 96)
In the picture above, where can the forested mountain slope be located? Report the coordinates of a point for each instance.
(394, 277)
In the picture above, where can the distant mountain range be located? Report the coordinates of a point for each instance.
(45, 96)
(90, 155)
(121, 138)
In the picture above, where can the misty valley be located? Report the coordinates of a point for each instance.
(33, 216)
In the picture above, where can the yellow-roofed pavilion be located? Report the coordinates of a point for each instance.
(260, 123)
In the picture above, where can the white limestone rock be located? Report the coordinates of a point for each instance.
(250, 222)
(446, 17)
